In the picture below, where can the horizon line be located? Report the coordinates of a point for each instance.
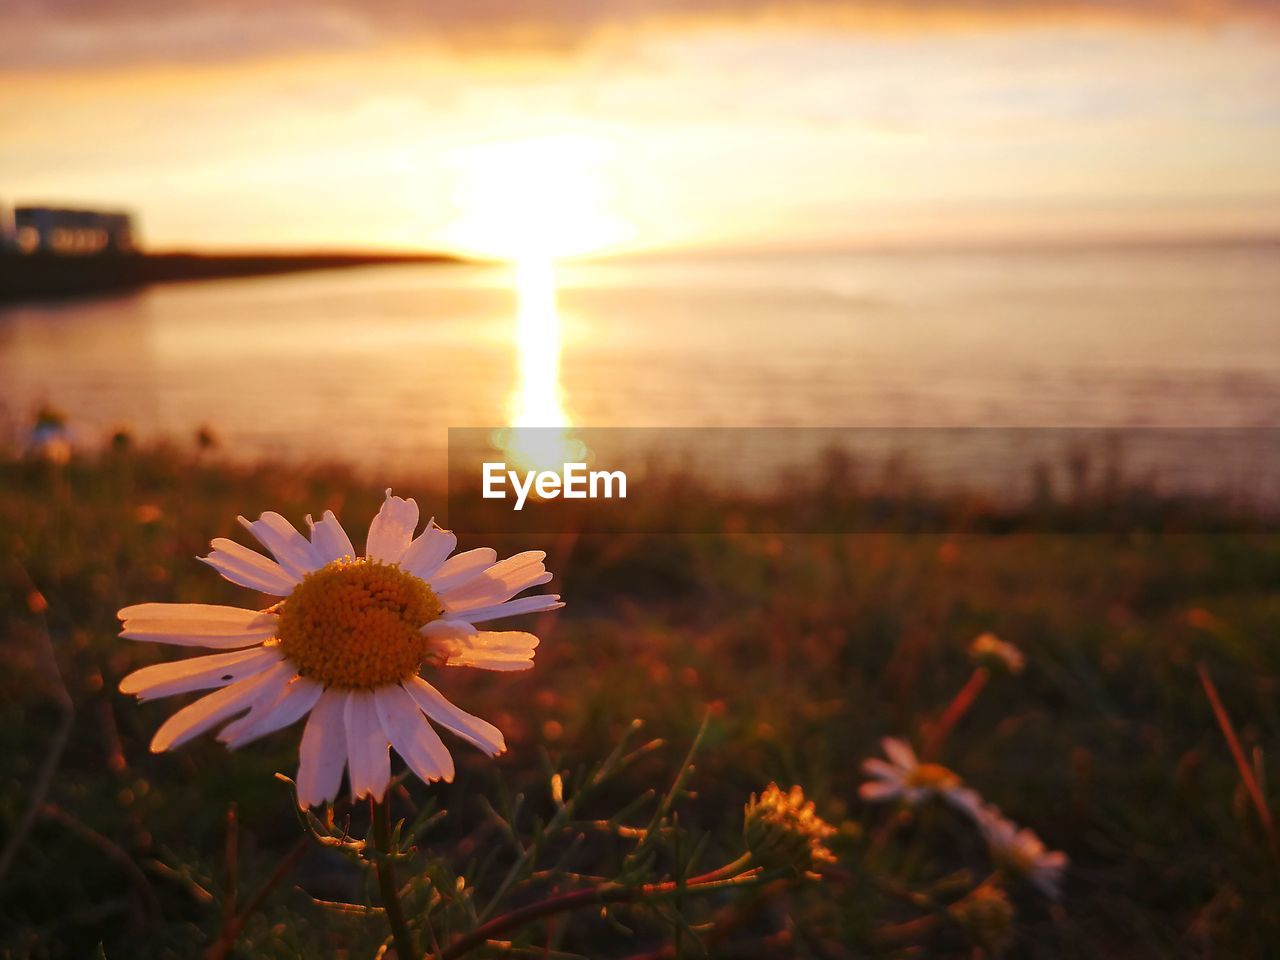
(1011, 243)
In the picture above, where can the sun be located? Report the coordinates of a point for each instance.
(536, 198)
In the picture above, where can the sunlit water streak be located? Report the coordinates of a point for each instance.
(538, 400)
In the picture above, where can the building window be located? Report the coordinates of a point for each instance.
(28, 239)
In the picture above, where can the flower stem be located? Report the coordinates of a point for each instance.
(591, 896)
(1247, 777)
(231, 931)
(380, 811)
(955, 710)
(729, 870)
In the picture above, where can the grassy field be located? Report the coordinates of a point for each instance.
(800, 651)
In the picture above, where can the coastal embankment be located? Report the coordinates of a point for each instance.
(48, 276)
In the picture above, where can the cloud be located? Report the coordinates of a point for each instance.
(44, 34)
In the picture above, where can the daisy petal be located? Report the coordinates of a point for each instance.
(500, 582)
(412, 735)
(275, 681)
(291, 702)
(899, 751)
(197, 625)
(424, 556)
(198, 673)
(329, 539)
(1047, 874)
(460, 568)
(207, 712)
(291, 549)
(498, 664)
(916, 795)
(875, 767)
(514, 608)
(449, 630)
(248, 568)
(879, 792)
(505, 650)
(965, 800)
(323, 751)
(515, 643)
(392, 529)
(998, 831)
(368, 760)
(479, 732)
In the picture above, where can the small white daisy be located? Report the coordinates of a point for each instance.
(1022, 853)
(905, 778)
(344, 647)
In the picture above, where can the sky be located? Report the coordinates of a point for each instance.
(566, 127)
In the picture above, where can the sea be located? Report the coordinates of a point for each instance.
(371, 366)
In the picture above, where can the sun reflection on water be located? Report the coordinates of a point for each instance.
(533, 198)
(538, 399)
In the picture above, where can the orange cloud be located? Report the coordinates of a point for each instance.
(91, 33)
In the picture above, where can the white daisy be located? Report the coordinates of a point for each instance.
(1022, 853)
(344, 647)
(905, 778)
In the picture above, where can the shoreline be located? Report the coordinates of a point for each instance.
(37, 277)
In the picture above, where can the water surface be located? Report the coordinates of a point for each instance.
(373, 365)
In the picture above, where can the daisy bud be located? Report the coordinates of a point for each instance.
(997, 655)
(784, 830)
(986, 915)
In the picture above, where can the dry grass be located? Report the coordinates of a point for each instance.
(805, 650)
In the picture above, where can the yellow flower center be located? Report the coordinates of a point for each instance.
(356, 624)
(934, 776)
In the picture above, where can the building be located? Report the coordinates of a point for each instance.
(66, 232)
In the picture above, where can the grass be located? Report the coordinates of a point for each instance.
(802, 650)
